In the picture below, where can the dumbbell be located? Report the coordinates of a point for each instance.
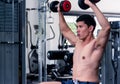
(83, 5)
(65, 6)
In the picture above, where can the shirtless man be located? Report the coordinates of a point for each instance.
(88, 50)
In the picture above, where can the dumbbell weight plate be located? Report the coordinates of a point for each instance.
(94, 1)
(53, 6)
(65, 6)
(82, 4)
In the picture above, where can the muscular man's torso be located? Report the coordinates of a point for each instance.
(86, 62)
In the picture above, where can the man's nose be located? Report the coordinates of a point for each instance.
(78, 29)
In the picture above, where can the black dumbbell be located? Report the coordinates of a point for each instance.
(83, 5)
(65, 6)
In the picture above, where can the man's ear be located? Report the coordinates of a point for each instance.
(91, 28)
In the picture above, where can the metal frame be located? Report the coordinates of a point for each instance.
(77, 13)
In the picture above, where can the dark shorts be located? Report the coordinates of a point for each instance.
(77, 82)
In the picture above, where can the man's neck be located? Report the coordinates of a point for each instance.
(88, 40)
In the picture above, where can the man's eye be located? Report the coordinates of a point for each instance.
(80, 26)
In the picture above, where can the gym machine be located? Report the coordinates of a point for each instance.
(62, 70)
(37, 54)
(110, 65)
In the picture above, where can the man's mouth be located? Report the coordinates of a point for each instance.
(78, 34)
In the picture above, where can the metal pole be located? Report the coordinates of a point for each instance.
(44, 53)
(12, 40)
(42, 42)
(40, 39)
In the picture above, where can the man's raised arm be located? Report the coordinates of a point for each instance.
(65, 30)
(104, 33)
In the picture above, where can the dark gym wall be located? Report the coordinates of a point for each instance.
(12, 43)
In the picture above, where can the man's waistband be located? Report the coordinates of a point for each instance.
(82, 82)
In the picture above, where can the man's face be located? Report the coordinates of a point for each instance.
(82, 30)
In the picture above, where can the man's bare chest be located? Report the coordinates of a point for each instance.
(84, 53)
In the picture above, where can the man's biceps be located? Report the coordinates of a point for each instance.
(100, 43)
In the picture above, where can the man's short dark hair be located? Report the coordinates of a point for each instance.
(88, 19)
